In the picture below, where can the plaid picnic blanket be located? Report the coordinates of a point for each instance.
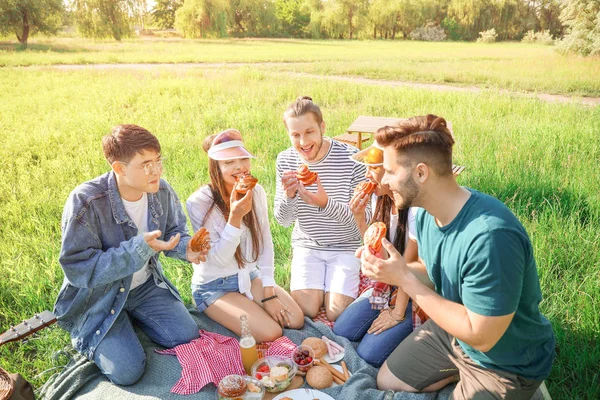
(81, 379)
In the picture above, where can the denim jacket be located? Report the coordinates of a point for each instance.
(100, 252)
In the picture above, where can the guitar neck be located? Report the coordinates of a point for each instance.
(28, 327)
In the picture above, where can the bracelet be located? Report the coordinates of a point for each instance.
(397, 320)
(268, 298)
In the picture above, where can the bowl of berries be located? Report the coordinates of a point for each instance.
(303, 356)
(275, 373)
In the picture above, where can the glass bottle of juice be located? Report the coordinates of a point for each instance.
(247, 345)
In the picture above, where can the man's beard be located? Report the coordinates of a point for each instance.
(406, 193)
(318, 149)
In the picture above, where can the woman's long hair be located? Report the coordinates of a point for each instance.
(221, 202)
(383, 213)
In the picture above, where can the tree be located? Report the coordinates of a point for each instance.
(582, 17)
(27, 17)
(254, 17)
(294, 16)
(104, 18)
(203, 18)
(164, 12)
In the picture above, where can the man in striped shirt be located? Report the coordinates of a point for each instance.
(325, 236)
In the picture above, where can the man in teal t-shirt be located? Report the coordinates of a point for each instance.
(477, 280)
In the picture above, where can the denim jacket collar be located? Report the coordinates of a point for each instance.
(118, 209)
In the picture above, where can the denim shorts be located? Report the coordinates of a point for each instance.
(206, 294)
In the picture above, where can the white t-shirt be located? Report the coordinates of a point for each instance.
(411, 233)
(138, 212)
(225, 239)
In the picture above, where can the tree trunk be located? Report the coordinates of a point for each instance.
(374, 32)
(350, 14)
(25, 34)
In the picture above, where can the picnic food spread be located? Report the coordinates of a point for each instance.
(319, 377)
(318, 346)
(373, 236)
(200, 241)
(366, 187)
(305, 175)
(245, 182)
(236, 387)
(274, 372)
(232, 386)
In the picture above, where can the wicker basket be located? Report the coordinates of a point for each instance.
(6, 385)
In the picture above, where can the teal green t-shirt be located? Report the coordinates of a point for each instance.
(484, 260)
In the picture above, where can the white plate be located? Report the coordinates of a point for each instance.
(304, 394)
(336, 357)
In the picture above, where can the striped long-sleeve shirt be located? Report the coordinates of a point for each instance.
(331, 228)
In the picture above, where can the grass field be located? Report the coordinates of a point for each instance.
(513, 66)
(540, 159)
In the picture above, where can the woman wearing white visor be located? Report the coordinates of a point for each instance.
(379, 331)
(237, 276)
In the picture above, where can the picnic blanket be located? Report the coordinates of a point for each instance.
(81, 378)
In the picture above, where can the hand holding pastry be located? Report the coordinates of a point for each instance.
(198, 246)
(305, 175)
(244, 183)
(289, 182)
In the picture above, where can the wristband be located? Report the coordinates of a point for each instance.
(268, 298)
(392, 317)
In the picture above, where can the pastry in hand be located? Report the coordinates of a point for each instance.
(319, 377)
(305, 175)
(367, 187)
(200, 241)
(245, 183)
(373, 236)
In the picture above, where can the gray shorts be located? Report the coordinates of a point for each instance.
(430, 355)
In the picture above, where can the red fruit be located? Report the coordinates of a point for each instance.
(308, 360)
(258, 376)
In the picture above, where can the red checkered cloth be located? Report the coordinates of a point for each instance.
(212, 357)
(207, 359)
(418, 316)
(283, 347)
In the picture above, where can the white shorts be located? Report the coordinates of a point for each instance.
(329, 271)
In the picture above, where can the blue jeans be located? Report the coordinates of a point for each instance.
(206, 294)
(160, 315)
(356, 320)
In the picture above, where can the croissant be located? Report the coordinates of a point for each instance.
(200, 241)
(306, 176)
(367, 187)
(245, 183)
(375, 232)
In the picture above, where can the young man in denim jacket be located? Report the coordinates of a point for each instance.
(113, 228)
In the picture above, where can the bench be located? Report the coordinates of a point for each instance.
(363, 126)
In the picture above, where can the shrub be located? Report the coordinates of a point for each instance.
(488, 36)
(541, 37)
(429, 33)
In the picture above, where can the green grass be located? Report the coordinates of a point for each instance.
(541, 159)
(512, 66)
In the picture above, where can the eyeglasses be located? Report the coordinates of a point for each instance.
(151, 166)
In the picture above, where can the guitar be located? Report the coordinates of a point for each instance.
(15, 333)
(28, 327)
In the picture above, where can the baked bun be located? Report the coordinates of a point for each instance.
(232, 386)
(319, 377)
(367, 187)
(245, 183)
(200, 241)
(373, 236)
(305, 175)
(279, 374)
(318, 346)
